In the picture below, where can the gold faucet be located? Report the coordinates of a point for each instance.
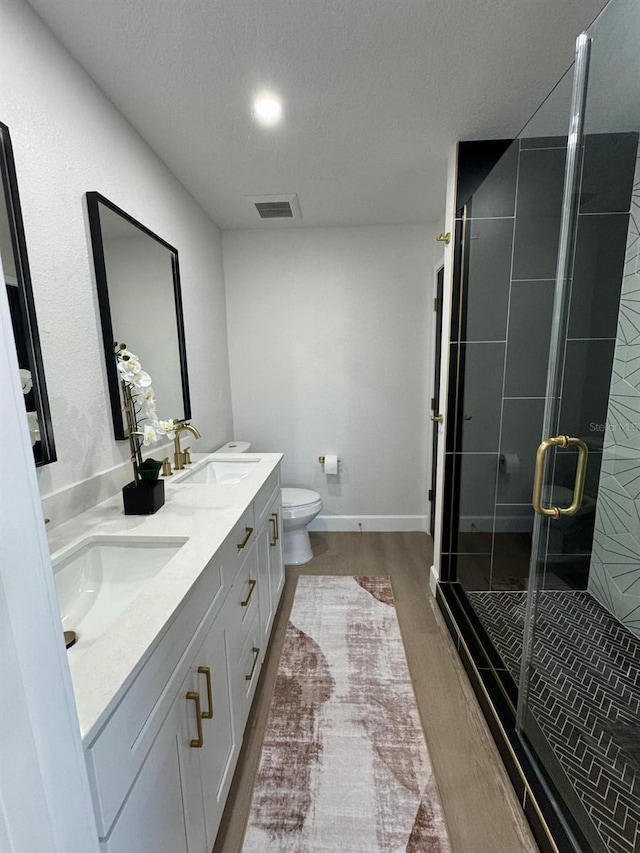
(178, 455)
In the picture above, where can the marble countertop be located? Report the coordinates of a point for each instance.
(204, 515)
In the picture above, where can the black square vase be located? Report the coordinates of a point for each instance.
(143, 500)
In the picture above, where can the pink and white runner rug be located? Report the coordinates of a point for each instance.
(344, 764)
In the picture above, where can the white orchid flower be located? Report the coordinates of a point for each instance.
(138, 378)
(26, 380)
(34, 427)
(128, 369)
(142, 379)
(167, 428)
(149, 434)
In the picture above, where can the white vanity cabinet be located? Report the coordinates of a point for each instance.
(177, 800)
(161, 766)
(163, 812)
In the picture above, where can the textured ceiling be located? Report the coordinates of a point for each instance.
(375, 92)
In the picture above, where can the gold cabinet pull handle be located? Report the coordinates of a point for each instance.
(195, 697)
(273, 518)
(252, 586)
(578, 487)
(208, 714)
(246, 538)
(256, 655)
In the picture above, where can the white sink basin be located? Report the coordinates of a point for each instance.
(98, 579)
(225, 472)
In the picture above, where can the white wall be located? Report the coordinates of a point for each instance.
(68, 139)
(330, 352)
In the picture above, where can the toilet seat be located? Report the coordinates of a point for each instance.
(294, 498)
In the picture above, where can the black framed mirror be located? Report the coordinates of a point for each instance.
(138, 282)
(15, 263)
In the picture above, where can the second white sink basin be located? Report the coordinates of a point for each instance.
(226, 472)
(98, 579)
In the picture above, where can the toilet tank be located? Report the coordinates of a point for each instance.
(234, 447)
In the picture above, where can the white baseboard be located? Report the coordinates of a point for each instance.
(433, 580)
(369, 523)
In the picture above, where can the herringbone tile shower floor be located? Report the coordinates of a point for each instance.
(585, 696)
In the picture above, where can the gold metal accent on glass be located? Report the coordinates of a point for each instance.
(439, 419)
(246, 538)
(273, 518)
(178, 455)
(578, 487)
(444, 238)
(256, 654)
(208, 714)
(252, 586)
(195, 697)
(166, 467)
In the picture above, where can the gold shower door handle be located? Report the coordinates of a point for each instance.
(578, 486)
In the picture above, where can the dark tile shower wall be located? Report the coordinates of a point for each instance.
(508, 234)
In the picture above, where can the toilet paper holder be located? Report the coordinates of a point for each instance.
(331, 461)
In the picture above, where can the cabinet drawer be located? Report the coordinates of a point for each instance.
(244, 671)
(242, 602)
(237, 545)
(264, 497)
(117, 753)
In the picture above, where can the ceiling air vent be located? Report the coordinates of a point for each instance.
(276, 206)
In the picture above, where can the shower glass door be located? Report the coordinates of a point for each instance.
(579, 690)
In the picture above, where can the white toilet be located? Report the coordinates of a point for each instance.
(299, 508)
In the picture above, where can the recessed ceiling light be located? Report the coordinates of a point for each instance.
(267, 108)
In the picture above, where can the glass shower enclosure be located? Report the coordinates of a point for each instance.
(540, 579)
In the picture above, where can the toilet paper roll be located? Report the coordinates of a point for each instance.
(330, 464)
(509, 463)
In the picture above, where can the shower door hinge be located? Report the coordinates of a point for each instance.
(435, 304)
(433, 404)
(430, 494)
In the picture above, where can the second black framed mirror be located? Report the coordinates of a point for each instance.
(138, 282)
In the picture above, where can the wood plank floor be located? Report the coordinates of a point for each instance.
(482, 813)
